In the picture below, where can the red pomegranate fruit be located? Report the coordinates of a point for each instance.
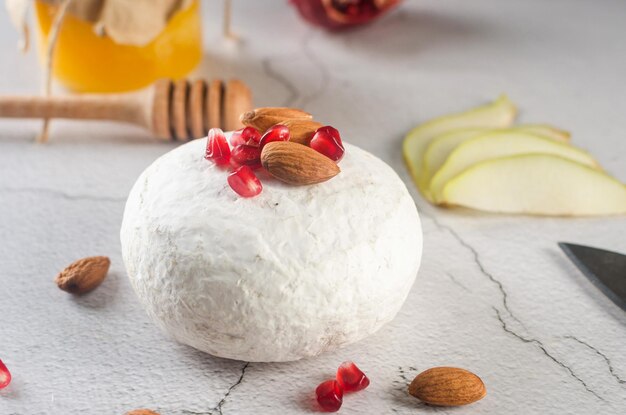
(341, 14)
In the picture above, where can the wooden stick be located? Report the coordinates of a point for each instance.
(47, 76)
(228, 33)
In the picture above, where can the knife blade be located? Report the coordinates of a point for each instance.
(605, 269)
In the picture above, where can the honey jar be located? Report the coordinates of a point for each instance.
(87, 58)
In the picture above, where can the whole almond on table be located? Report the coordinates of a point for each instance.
(447, 386)
(301, 131)
(297, 164)
(83, 275)
(264, 118)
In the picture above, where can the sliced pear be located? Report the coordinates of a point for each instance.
(498, 114)
(441, 146)
(537, 184)
(500, 144)
(546, 130)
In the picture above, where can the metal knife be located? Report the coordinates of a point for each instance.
(605, 269)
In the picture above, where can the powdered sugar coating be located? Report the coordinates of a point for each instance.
(291, 273)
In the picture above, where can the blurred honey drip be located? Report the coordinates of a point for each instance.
(86, 62)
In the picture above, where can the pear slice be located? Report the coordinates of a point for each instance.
(546, 130)
(441, 146)
(538, 184)
(500, 144)
(498, 114)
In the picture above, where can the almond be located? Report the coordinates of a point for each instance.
(83, 275)
(284, 112)
(141, 412)
(296, 164)
(301, 131)
(264, 118)
(447, 386)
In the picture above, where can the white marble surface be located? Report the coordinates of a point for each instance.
(494, 294)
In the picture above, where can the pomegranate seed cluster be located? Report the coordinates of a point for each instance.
(242, 156)
(349, 378)
(342, 14)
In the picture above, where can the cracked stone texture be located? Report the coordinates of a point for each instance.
(494, 295)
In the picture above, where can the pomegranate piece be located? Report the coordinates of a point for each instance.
(246, 155)
(351, 378)
(5, 376)
(275, 133)
(341, 14)
(244, 182)
(327, 141)
(217, 148)
(251, 136)
(329, 395)
(236, 139)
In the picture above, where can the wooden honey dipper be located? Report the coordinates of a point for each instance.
(178, 110)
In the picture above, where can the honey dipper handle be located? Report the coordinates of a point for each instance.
(131, 108)
(177, 110)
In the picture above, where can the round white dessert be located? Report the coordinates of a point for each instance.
(291, 273)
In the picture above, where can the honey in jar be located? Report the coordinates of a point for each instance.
(88, 61)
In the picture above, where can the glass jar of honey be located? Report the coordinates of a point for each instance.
(86, 61)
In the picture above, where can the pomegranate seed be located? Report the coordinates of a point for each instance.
(244, 182)
(275, 133)
(5, 376)
(329, 395)
(251, 136)
(217, 148)
(234, 164)
(328, 142)
(247, 155)
(236, 139)
(351, 377)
